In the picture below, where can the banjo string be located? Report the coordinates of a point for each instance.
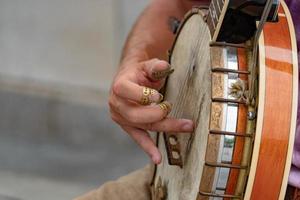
(253, 64)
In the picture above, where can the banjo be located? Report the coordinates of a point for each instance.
(236, 77)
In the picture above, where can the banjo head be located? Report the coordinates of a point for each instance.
(197, 93)
(189, 90)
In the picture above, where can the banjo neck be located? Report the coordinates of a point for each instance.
(215, 17)
(222, 15)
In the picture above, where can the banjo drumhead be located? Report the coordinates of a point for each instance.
(189, 89)
(189, 169)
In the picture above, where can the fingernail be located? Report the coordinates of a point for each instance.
(155, 159)
(158, 75)
(156, 97)
(161, 97)
(188, 126)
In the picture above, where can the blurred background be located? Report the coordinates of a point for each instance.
(57, 61)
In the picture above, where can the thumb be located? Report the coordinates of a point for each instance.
(157, 69)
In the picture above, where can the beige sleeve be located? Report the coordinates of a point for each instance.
(135, 185)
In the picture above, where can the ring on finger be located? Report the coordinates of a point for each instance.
(165, 106)
(147, 92)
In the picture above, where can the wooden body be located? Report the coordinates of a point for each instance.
(271, 160)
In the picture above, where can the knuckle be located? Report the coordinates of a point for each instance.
(110, 103)
(117, 87)
(114, 105)
(150, 62)
(111, 111)
(114, 116)
(154, 60)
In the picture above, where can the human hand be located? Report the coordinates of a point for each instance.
(136, 84)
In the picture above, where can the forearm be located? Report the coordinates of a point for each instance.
(151, 37)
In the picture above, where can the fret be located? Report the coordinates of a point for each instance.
(209, 21)
(212, 19)
(217, 10)
(210, 25)
(220, 4)
(214, 11)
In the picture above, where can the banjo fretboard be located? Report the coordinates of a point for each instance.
(215, 17)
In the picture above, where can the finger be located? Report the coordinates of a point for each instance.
(143, 114)
(165, 125)
(170, 125)
(132, 91)
(145, 141)
(157, 69)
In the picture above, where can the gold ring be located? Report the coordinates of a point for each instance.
(148, 96)
(147, 92)
(165, 106)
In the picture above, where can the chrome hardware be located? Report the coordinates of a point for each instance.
(251, 115)
(225, 165)
(223, 100)
(215, 132)
(226, 70)
(226, 44)
(209, 194)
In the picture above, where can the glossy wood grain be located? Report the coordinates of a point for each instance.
(275, 136)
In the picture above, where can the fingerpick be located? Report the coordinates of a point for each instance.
(159, 75)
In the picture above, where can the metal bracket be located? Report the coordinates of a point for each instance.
(223, 100)
(210, 194)
(225, 165)
(226, 44)
(216, 132)
(226, 70)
